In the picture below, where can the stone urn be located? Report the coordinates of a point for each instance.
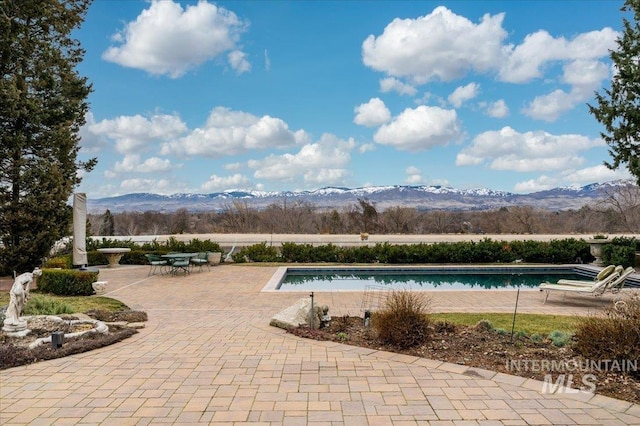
(595, 248)
(100, 287)
(214, 258)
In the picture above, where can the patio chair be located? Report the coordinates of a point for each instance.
(156, 262)
(199, 260)
(179, 264)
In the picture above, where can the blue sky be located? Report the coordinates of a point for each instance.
(204, 97)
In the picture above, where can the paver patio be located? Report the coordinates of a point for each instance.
(208, 356)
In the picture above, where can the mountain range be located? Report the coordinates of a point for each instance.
(420, 197)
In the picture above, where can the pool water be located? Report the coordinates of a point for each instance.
(332, 280)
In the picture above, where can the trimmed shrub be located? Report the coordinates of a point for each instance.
(297, 253)
(404, 320)
(67, 282)
(62, 262)
(621, 251)
(568, 250)
(256, 253)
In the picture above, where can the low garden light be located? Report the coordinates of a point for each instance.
(57, 338)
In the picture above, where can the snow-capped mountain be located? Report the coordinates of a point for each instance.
(420, 197)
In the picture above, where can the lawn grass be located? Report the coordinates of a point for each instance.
(529, 323)
(77, 303)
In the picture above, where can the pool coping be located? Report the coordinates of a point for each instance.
(276, 279)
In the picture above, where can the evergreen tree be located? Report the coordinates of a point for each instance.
(618, 108)
(108, 225)
(42, 107)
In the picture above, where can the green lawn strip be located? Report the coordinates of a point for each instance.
(528, 323)
(76, 303)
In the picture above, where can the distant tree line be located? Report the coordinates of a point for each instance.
(617, 213)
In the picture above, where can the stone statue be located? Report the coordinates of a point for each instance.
(18, 296)
(325, 318)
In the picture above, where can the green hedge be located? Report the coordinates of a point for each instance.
(568, 250)
(67, 282)
(621, 251)
(137, 254)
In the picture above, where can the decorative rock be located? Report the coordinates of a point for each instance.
(136, 325)
(100, 287)
(297, 315)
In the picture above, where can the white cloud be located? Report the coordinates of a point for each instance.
(414, 176)
(584, 77)
(325, 176)
(156, 186)
(222, 183)
(233, 166)
(392, 84)
(463, 94)
(599, 173)
(310, 162)
(439, 46)
(372, 113)
(90, 143)
(507, 149)
(526, 61)
(366, 147)
(267, 61)
(420, 129)
(534, 185)
(132, 163)
(497, 109)
(230, 132)
(238, 61)
(587, 175)
(167, 39)
(549, 107)
(445, 46)
(134, 134)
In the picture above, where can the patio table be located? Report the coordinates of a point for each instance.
(179, 261)
(113, 255)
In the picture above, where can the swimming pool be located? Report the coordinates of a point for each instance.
(422, 278)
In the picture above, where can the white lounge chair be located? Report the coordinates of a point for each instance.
(618, 283)
(598, 288)
(606, 272)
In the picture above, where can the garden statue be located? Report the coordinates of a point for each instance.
(18, 296)
(325, 318)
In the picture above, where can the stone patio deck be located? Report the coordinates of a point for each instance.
(208, 356)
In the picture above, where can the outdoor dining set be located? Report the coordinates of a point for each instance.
(175, 263)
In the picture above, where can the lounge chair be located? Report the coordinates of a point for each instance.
(612, 283)
(602, 275)
(156, 262)
(618, 283)
(596, 289)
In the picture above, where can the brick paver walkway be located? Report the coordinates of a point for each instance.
(208, 356)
